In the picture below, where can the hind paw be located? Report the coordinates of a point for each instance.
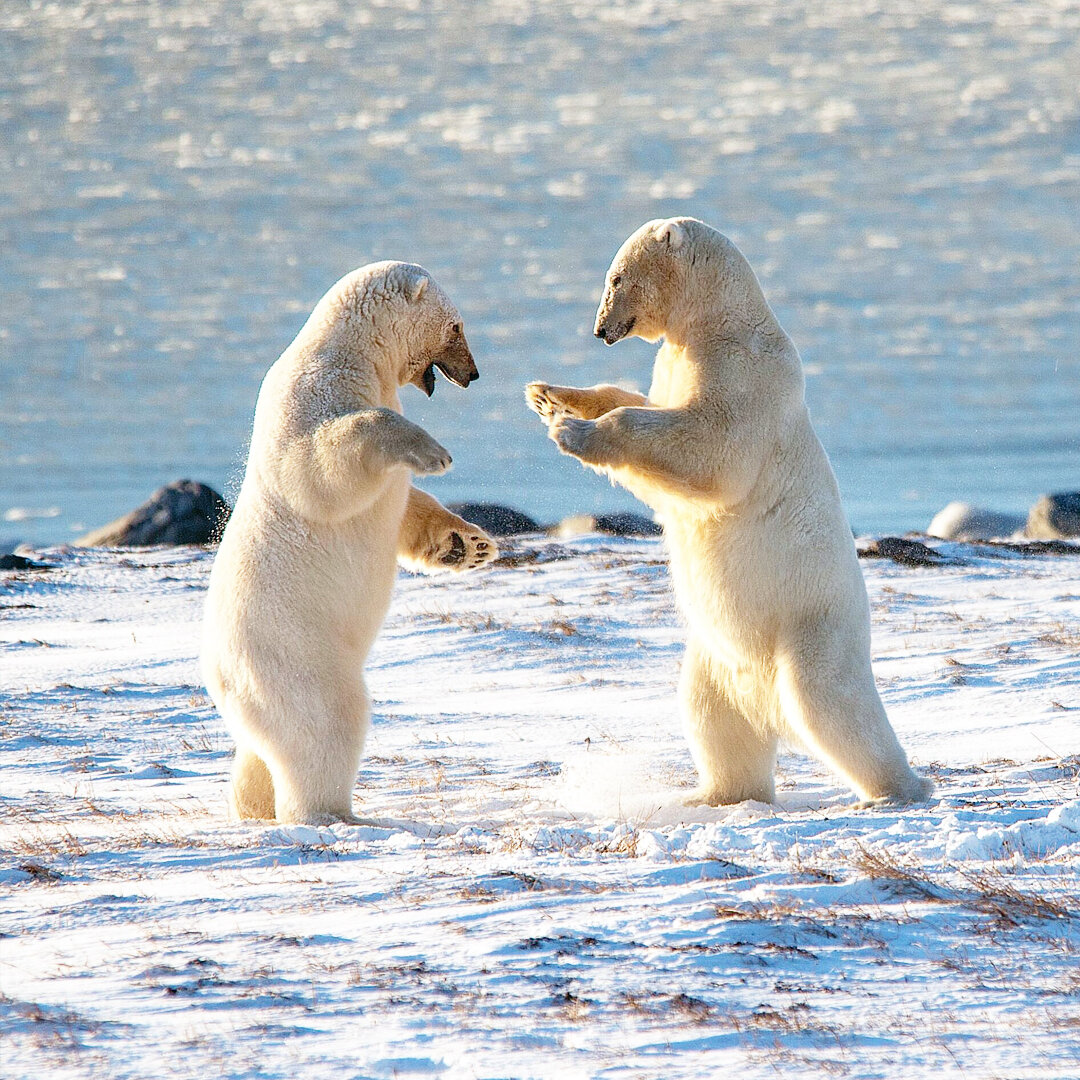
(460, 550)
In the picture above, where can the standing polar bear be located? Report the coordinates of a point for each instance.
(764, 565)
(302, 579)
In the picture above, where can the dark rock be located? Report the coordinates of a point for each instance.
(184, 512)
(961, 521)
(1029, 548)
(904, 552)
(20, 562)
(1054, 517)
(495, 519)
(627, 524)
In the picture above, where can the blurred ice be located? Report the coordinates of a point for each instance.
(181, 181)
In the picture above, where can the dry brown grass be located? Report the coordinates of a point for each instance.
(478, 894)
(760, 912)
(1061, 634)
(794, 1019)
(475, 621)
(57, 842)
(625, 844)
(994, 894)
(990, 892)
(41, 873)
(574, 1008)
(904, 878)
(681, 1007)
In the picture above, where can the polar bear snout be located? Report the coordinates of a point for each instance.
(615, 317)
(456, 363)
(609, 331)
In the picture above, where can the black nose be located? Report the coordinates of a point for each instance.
(600, 332)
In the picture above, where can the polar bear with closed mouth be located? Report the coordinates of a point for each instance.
(762, 558)
(303, 576)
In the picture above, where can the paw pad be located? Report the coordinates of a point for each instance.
(541, 402)
(456, 554)
(464, 551)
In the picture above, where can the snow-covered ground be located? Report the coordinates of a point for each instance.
(537, 902)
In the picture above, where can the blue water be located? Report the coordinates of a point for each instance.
(181, 181)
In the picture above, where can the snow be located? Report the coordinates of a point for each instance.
(535, 900)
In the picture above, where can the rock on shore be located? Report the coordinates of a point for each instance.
(183, 512)
(1052, 517)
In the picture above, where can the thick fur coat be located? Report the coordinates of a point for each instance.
(763, 560)
(303, 576)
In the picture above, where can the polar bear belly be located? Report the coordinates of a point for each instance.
(312, 598)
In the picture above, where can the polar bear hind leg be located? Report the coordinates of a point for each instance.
(315, 770)
(296, 760)
(831, 705)
(252, 793)
(735, 759)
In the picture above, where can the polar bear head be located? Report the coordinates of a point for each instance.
(397, 312)
(436, 334)
(673, 273)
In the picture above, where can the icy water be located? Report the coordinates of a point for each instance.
(181, 181)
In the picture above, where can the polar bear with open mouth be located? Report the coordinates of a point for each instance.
(303, 577)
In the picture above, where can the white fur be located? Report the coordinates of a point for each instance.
(763, 561)
(304, 573)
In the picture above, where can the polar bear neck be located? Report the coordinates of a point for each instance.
(370, 338)
(718, 289)
(720, 333)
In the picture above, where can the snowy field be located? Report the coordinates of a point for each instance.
(536, 902)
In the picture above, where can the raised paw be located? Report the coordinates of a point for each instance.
(426, 457)
(542, 400)
(571, 435)
(551, 401)
(459, 550)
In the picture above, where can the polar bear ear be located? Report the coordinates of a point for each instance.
(671, 234)
(416, 289)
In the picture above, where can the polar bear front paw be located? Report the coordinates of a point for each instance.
(459, 550)
(427, 458)
(544, 400)
(573, 436)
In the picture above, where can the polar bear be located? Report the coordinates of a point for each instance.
(303, 576)
(763, 561)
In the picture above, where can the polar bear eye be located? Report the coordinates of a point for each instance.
(456, 329)
(616, 281)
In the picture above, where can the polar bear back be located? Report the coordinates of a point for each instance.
(316, 574)
(748, 576)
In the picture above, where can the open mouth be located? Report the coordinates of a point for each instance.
(457, 378)
(427, 378)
